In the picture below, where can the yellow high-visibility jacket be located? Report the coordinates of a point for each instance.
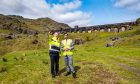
(54, 44)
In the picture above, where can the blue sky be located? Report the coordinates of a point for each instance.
(104, 11)
(75, 12)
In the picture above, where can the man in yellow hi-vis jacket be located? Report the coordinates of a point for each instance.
(67, 45)
(54, 49)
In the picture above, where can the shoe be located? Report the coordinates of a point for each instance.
(53, 76)
(74, 75)
(68, 73)
(57, 74)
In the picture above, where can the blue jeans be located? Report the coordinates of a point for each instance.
(54, 63)
(69, 64)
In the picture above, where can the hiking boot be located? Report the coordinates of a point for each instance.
(53, 76)
(68, 73)
(74, 75)
(57, 74)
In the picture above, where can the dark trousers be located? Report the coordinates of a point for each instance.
(54, 63)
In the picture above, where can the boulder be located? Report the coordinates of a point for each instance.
(79, 41)
(35, 41)
(4, 59)
(114, 38)
(110, 44)
(8, 37)
(11, 36)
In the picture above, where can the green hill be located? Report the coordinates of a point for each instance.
(18, 24)
(25, 62)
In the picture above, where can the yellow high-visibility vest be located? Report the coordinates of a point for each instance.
(67, 44)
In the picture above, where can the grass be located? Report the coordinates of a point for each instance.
(4, 31)
(94, 63)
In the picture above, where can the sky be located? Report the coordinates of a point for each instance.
(75, 12)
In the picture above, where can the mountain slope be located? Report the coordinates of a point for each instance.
(19, 24)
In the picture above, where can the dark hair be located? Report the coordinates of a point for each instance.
(66, 34)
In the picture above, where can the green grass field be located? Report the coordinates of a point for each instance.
(94, 62)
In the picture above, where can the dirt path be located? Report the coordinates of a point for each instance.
(125, 66)
(129, 68)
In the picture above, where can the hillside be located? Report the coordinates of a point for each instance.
(18, 24)
(25, 62)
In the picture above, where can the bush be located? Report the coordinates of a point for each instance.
(138, 21)
(87, 38)
(3, 69)
(137, 32)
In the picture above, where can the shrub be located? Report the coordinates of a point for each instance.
(137, 31)
(3, 69)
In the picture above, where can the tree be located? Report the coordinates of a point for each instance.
(138, 21)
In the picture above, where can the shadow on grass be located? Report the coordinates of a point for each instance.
(64, 69)
(76, 68)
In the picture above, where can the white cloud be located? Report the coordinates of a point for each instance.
(66, 13)
(129, 4)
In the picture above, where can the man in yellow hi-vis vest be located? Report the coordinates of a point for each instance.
(54, 49)
(67, 45)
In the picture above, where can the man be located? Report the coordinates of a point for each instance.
(67, 45)
(54, 50)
